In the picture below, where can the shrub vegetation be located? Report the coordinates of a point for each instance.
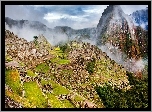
(136, 97)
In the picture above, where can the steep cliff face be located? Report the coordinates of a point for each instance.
(120, 37)
(116, 28)
(114, 20)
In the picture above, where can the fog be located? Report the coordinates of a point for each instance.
(119, 57)
(28, 33)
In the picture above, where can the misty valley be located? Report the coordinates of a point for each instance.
(97, 67)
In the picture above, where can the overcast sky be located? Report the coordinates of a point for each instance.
(75, 16)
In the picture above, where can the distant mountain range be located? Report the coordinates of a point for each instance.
(24, 23)
(35, 25)
(140, 18)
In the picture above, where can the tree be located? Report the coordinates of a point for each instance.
(64, 47)
(90, 66)
(35, 40)
(35, 37)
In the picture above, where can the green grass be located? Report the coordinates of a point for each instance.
(47, 82)
(65, 71)
(57, 89)
(60, 90)
(57, 48)
(13, 80)
(17, 98)
(67, 104)
(7, 58)
(30, 73)
(78, 98)
(63, 61)
(56, 51)
(54, 60)
(54, 101)
(51, 77)
(22, 64)
(61, 58)
(34, 94)
(42, 67)
(13, 95)
(60, 61)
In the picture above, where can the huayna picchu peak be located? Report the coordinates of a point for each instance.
(116, 30)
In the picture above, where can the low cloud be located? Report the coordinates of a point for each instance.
(119, 57)
(129, 9)
(28, 33)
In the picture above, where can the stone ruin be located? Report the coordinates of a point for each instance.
(23, 51)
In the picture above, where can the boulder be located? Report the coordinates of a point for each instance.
(12, 64)
(33, 51)
(88, 104)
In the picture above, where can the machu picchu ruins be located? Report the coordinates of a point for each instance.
(97, 67)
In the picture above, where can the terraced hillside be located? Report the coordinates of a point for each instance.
(39, 75)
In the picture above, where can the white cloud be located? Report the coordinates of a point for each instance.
(129, 9)
(74, 21)
(88, 18)
(56, 16)
(52, 16)
(143, 25)
(41, 5)
(98, 9)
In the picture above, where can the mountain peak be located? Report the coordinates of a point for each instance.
(140, 18)
(113, 16)
(112, 8)
(118, 33)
